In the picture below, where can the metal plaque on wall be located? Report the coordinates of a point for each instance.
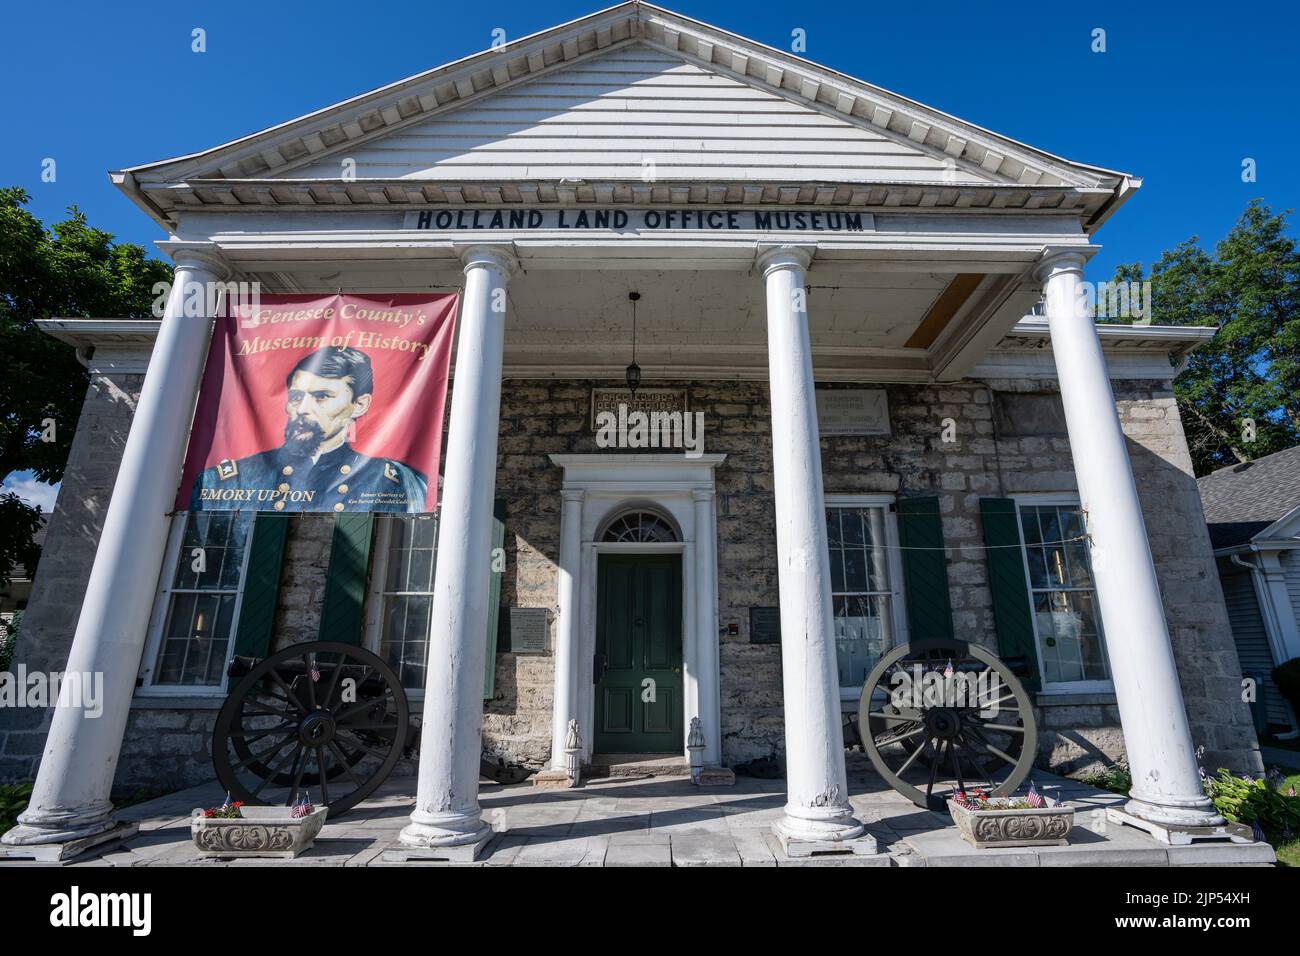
(646, 400)
(528, 630)
(852, 411)
(765, 625)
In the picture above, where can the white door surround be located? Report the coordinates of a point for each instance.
(597, 489)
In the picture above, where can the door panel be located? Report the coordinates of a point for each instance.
(639, 635)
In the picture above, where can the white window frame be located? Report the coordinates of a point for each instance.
(894, 559)
(162, 604)
(374, 623)
(1058, 499)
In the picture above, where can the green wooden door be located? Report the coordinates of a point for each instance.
(639, 643)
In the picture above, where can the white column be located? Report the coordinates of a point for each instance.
(706, 625)
(446, 806)
(70, 799)
(1166, 784)
(565, 705)
(817, 806)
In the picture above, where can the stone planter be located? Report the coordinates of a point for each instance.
(1044, 826)
(261, 831)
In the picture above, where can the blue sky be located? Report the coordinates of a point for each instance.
(1184, 92)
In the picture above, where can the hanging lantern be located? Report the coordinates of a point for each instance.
(633, 372)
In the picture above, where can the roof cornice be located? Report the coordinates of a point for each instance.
(257, 162)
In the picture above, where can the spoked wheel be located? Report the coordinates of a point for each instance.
(324, 719)
(930, 731)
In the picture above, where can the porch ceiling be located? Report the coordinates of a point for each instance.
(867, 321)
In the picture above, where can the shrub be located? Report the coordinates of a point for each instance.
(1115, 779)
(13, 801)
(1243, 800)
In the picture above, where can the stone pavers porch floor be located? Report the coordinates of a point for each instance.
(667, 821)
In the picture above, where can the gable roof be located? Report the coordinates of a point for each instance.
(1242, 500)
(952, 163)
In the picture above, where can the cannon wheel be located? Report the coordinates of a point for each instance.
(335, 738)
(986, 741)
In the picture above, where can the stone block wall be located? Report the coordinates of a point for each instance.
(70, 542)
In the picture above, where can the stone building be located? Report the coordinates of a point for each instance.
(840, 284)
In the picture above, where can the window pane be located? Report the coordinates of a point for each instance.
(855, 569)
(404, 631)
(1093, 645)
(421, 576)
(222, 538)
(862, 634)
(1037, 567)
(1057, 574)
(1029, 521)
(406, 636)
(1051, 525)
(1076, 549)
(201, 617)
(837, 570)
(859, 563)
(833, 527)
(1045, 621)
(424, 531)
(852, 522)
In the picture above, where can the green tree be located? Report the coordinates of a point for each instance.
(70, 270)
(1239, 395)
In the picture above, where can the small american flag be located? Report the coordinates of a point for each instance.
(315, 671)
(300, 810)
(947, 671)
(1034, 798)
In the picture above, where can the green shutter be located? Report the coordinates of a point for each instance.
(925, 569)
(1006, 567)
(345, 582)
(494, 599)
(261, 586)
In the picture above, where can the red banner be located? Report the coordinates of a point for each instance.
(322, 403)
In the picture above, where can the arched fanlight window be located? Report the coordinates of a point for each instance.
(640, 526)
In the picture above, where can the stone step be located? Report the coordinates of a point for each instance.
(637, 765)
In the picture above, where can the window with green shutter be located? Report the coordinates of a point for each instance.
(1010, 589)
(254, 636)
(401, 615)
(220, 586)
(345, 581)
(925, 569)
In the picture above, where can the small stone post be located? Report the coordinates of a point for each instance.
(695, 744)
(573, 753)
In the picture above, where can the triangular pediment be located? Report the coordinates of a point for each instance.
(627, 96)
(638, 112)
